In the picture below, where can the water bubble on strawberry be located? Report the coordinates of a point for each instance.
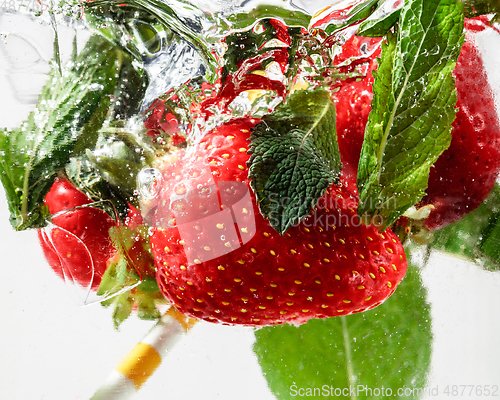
(149, 182)
(79, 282)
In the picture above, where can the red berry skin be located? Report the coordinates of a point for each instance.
(328, 265)
(78, 246)
(353, 100)
(466, 172)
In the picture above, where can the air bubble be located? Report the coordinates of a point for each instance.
(149, 182)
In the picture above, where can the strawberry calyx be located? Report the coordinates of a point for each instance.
(129, 283)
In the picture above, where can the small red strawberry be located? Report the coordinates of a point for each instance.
(466, 172)
(87, 248)
(219, 260)
(78, 246)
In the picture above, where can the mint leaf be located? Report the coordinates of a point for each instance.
(413, 107)
(476, 237)
(70, 111)
(380, 26)
(294, 157)
(389, 346)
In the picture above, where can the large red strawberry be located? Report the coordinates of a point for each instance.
(77, 246)
(466, 172)
(219, 260)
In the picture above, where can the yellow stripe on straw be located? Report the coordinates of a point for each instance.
(145, 357)
(140, 364)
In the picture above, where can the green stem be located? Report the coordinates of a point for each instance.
(348, 356)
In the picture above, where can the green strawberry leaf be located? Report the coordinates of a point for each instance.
(378, 27)
(146, 307)
(148, 285)
(243, 46)
(122, 309)
(244, 20)
(118, 278)
(84, 176)
(476, 236)
(119, 156)
(359, 12)
(70, 111)
(413, 106)
(294, 157)
(144, 302)
(129, 92)
(390, 344)
(121, 287)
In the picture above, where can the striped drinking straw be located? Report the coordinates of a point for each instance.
(145, 357)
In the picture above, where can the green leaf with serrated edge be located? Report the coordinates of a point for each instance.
(68, 105)
(412, 109)
(294, 157)
(359, 12)
(378, 27)
(388, 346)
(475, 237)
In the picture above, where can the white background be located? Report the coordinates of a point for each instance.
(50, 348)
